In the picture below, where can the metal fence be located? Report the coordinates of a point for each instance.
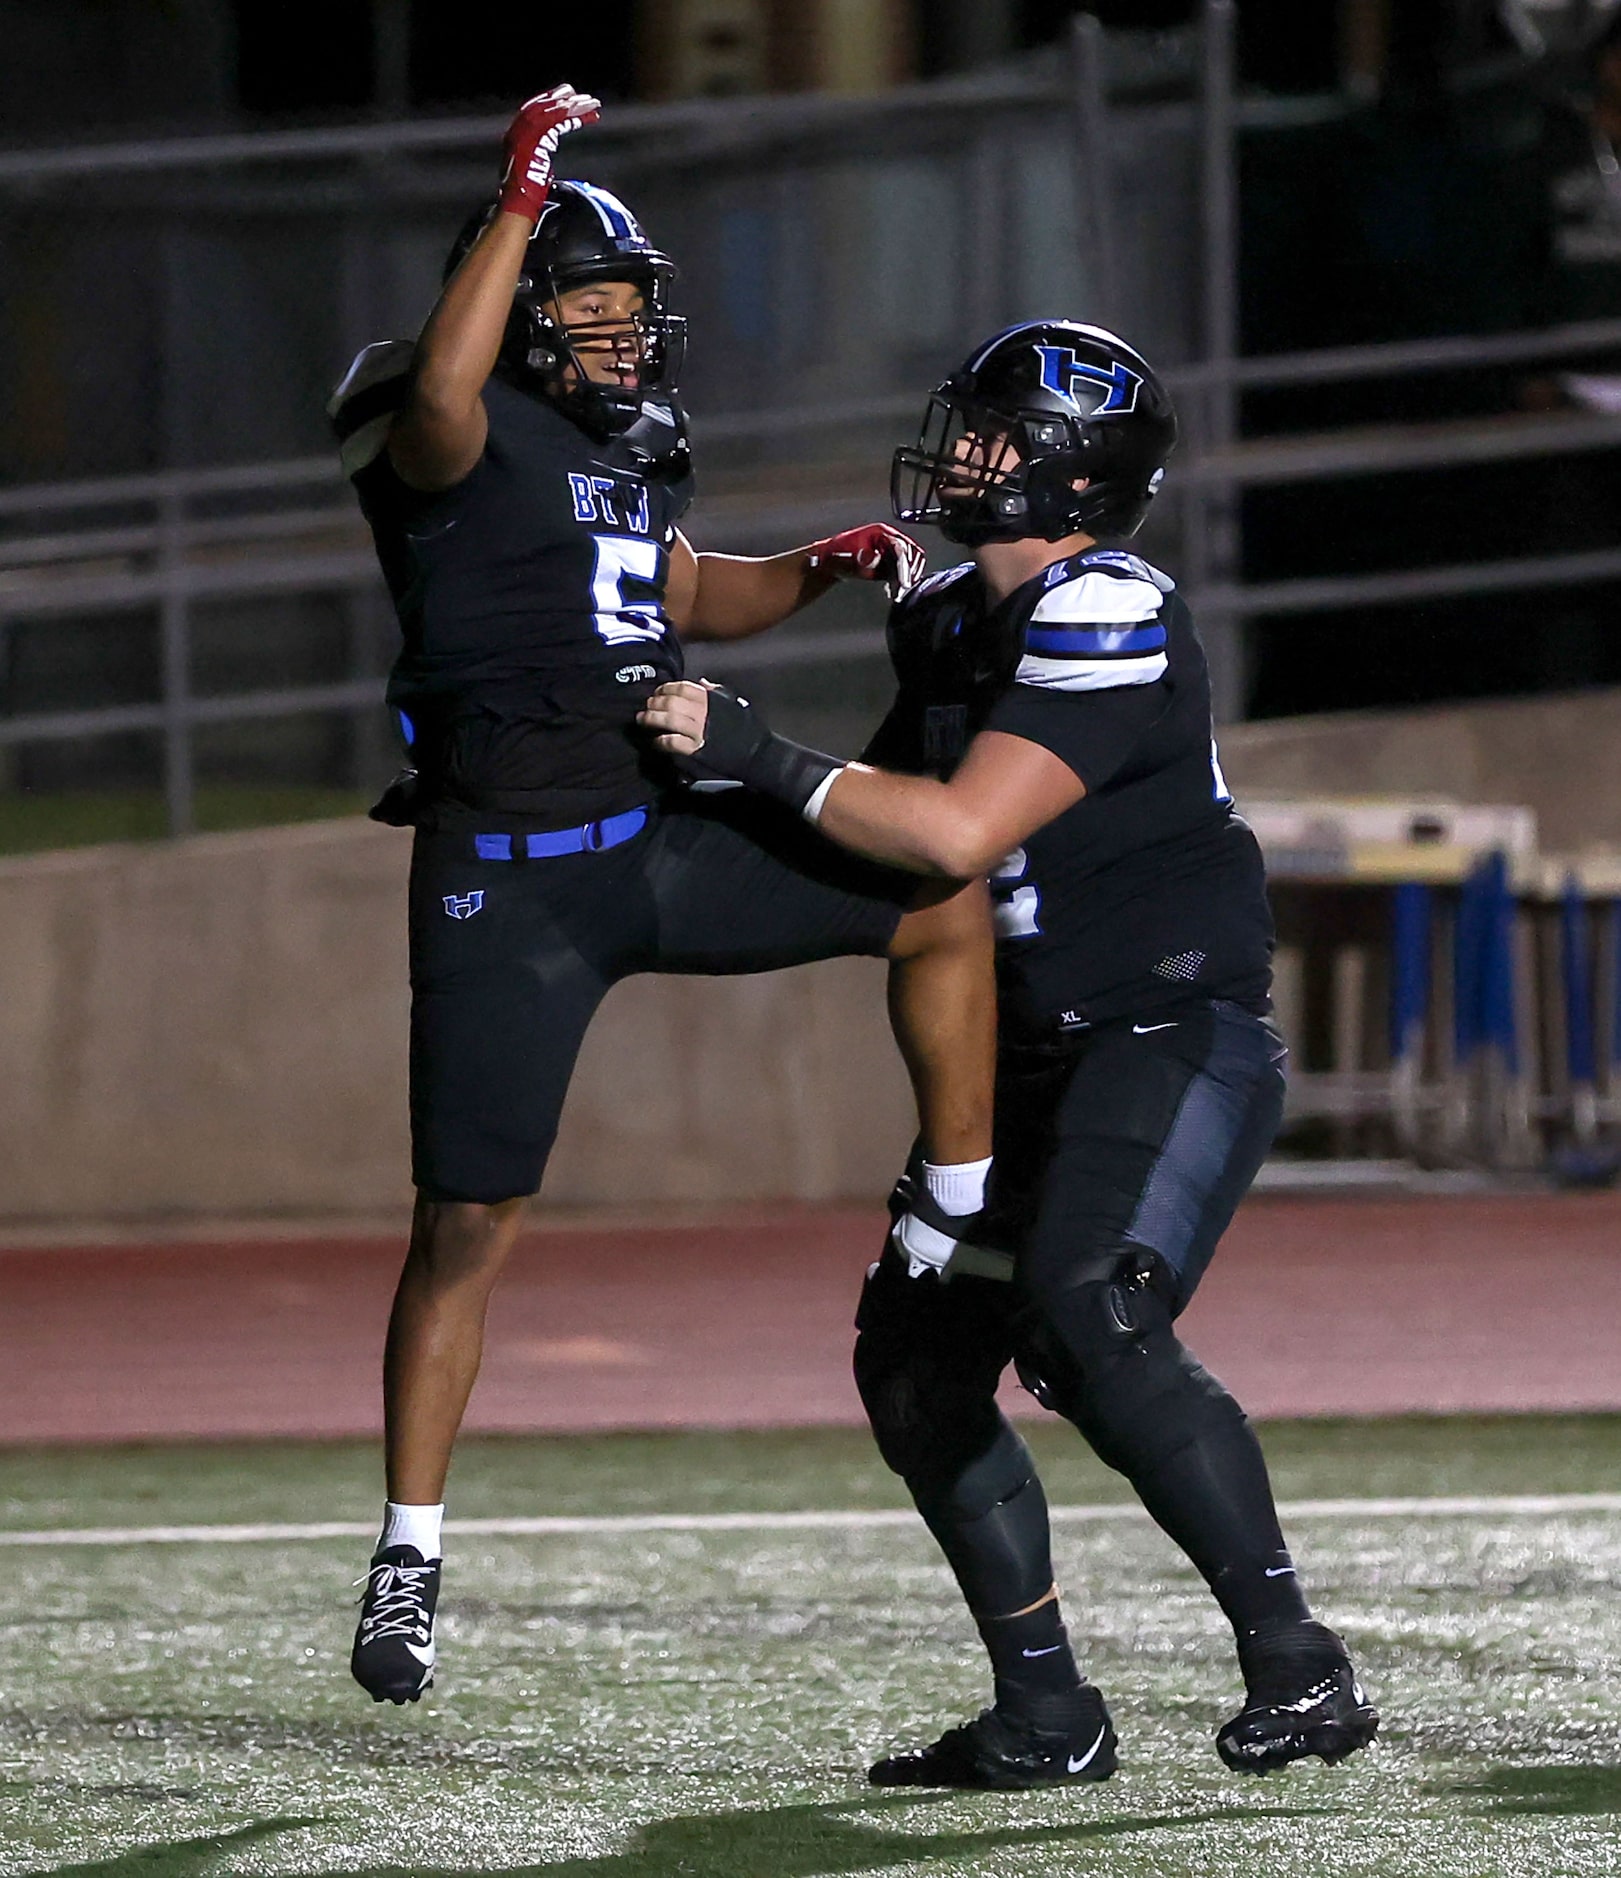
(186, 592)
(831, 249)
(178, 562)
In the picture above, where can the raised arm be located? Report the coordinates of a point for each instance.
(729, 596)
(439, 434)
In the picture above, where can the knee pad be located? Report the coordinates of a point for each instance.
(1102, 1353)
(928, 1427)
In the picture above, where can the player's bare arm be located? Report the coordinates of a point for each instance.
(1005, 789)
(439, 435)
(729, 596)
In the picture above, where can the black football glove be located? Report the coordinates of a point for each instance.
(740, 746)
(397, 806)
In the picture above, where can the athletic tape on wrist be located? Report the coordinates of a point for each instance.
(812, 810)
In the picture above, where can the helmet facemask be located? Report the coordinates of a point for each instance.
(979, 474)
(560, 354)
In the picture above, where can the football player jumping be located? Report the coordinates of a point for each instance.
(523, 466)
(1052, 730)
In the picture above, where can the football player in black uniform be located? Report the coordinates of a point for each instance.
(1052, 730)
(523, 467)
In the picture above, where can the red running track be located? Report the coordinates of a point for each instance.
(1314, 1307)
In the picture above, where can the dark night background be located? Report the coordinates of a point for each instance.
(1422, 210)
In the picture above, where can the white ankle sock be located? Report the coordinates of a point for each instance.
(412, 1525)
(958, 1188)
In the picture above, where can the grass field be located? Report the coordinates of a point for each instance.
(631, 1703)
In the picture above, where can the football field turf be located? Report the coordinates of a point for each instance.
(662, 1697)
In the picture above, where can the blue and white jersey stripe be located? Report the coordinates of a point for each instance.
(1112, 640)
(1099, 625)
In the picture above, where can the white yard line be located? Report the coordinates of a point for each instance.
(1480, 1506)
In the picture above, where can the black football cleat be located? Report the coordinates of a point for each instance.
(394, 1651)
(998, 1751)
(1304, 1698)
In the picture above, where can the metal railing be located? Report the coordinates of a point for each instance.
(262, 262)
(170, 557)
(163, 544)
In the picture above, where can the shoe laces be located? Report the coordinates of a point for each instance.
(394, 1602)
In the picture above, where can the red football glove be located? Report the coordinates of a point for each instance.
(532, 144)
(874, 552)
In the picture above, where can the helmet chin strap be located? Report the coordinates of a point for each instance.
(977, 534)
(563, 381)
(1013, 523)
(659, 438)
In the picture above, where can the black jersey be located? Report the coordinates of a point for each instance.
(531, 599)
(1150, 889)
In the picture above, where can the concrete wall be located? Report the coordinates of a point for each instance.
(218, 1025)
(1559, 755)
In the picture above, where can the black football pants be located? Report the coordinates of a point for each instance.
(511, 957)
(1119, 1163)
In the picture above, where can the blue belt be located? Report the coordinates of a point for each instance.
(590, 838)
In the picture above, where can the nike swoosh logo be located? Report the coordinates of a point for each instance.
(1050, 1650)
(1142, 1030)
(423, 1652)
(1077, 1766)
(1280, 1571)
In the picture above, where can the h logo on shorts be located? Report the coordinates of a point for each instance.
(464, 905)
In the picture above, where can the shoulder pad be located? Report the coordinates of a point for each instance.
(932, 584)
(1097, 626)
(913, 614)
(365, 402)
(1118, 561)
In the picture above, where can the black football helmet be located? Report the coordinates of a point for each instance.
(585, 234)
(1027, 416)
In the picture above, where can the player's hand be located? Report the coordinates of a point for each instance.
(531, 145)
(873, 552)
(714, 735)
(931, 1240)
(678, 715)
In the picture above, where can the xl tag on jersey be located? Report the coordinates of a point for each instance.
(945, 731)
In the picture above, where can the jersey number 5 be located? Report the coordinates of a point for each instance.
(624, 615)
